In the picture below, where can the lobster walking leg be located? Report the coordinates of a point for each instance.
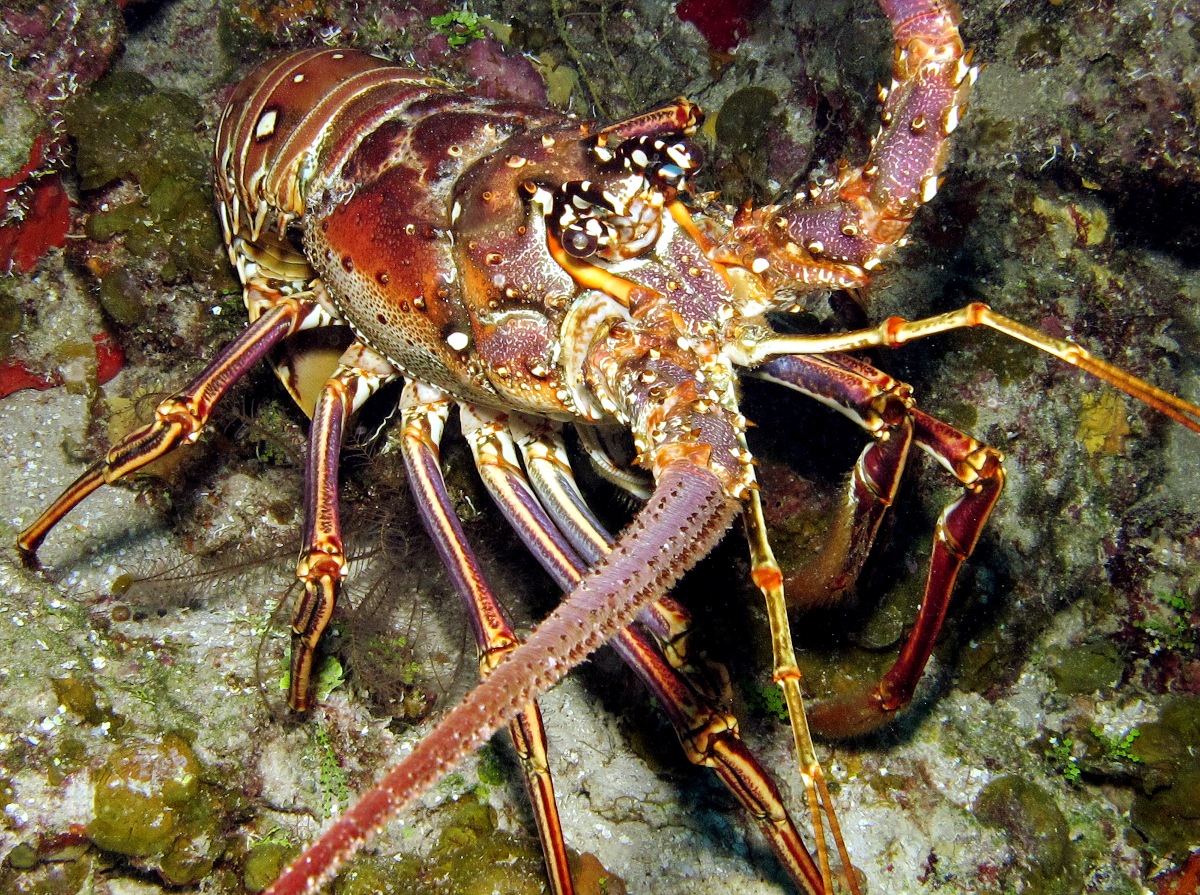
(180, 418)
(881, 406)
(977, 467)
(689, 512)
(709, 736)
(549, 471)
(980, 470)
(322, 563)
(896, 331)
(424, 411)
(626, 479)
(674, 623)
(786, 672)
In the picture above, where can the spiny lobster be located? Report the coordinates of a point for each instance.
(533, 270)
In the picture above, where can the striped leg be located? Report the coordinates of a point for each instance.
(180, 418)
(858, 390)
(896, 331)
(670, 622)
(764, 571)
(549, 471)
(880, 405)
(424, 410)
(322, 566)
(709, 736)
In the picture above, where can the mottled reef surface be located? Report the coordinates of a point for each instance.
(1055, 744)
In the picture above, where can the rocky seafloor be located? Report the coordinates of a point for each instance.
(1054, 745)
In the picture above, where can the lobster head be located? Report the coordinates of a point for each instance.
(525, 261)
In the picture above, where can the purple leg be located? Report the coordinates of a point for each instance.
(880, 405)
(686, 516)
(709, 736)
(424, 411)
(178, 419)
(855, 387)
(322, 564)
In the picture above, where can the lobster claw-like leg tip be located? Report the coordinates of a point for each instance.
(29, 558)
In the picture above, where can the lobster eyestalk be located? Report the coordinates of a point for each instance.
(686, 516)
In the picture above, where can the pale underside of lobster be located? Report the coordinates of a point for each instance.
(537, 272)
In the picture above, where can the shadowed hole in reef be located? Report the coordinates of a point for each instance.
(805, 453)
(1149, 214)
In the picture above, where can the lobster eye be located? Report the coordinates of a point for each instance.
(578, 242)
(670, 174)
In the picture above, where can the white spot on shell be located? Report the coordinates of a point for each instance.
(266, 124)
(951, 119)
(759, 265)
(299, 79)
(458, 341)
(929, 188)
(680, 157)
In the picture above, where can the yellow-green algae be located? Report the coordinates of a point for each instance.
(265, 862)
(471, 857)
(12, 316)
(1085, 669)
(46, 877)
(1037, 833)
(77, 694)
(126, 129)
(150, 806)
(1166, 810)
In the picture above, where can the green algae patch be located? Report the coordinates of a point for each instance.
(151, 807)
(74, 876)
(373, 875)
(742, 128)
(495, 862)
(126, 129)
(471, 857)
(1088, 668)
(1166, 812)
(22, 857)
(264, 863)
(78, 696)
(1036, 830)
(12, 316)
